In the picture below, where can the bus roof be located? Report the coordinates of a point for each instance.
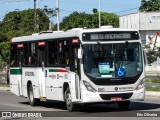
(62, 34)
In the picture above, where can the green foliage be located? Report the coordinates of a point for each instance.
(4, 51)
(23, 22)
(3, 37)
(153, 88)
(95, 10)
(152, 54)
(81, 20)
(149, 5)
(19, 23)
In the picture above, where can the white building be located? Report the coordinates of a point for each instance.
(148, 24)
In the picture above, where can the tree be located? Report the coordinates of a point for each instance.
(22, 22)
(152, 49)
(149, 5)
(95, 10)
(4, 51)
(81, 20)
(19, 23)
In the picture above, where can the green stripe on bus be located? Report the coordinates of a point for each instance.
(53, 70)
(15, 71)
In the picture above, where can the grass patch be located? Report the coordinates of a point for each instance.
(153, 88)
(153, 80)
(4, 85)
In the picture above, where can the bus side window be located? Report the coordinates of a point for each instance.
(32, 57)
(63, 51)
(52, 53)
(25, 59)
(14, 55)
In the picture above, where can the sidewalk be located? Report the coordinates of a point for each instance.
(148, 93)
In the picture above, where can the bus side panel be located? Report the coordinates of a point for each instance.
(14, 84)
(54, 84)
(30, 75)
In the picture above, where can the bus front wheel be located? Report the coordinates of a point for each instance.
(33, 101)
(68, 99)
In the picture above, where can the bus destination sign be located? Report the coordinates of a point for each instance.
(107, 36)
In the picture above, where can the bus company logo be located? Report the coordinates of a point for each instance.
(29, 74)
(59, 76)
(116, 88)
(53, 76)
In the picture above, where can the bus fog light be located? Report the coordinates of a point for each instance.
(140, 94)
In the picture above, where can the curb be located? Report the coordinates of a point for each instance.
(148, 93)
(151, 93)
(5, 88)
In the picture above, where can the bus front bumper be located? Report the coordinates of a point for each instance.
(93, 97)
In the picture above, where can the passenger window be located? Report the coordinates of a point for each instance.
(32, 56)
(14, 59)
(58, 53)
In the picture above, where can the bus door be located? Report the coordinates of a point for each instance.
(41, 71)
(16, 69)
(75, 67)
(20, 63)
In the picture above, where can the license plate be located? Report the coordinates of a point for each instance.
(116, 99)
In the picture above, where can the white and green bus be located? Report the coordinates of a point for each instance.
(79, 66)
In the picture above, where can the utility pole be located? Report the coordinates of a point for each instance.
(99, 13)
(35, 13)
(57, 11)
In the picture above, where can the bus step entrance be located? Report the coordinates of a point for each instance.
(43, 99)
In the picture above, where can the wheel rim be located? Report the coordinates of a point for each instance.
(68, 100)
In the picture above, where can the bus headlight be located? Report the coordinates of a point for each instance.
(88, 86)
(141, 84)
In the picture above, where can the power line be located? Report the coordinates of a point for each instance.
(91, 4)
(126, 10)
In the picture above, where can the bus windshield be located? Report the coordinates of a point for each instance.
(116, 60)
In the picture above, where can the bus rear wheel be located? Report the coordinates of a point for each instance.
(123, 105)
(68, 99)
(33, 101)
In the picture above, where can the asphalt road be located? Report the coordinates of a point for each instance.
(12, 103)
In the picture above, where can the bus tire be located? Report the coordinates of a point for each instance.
(123, 105)
(33, 101)
(69, 104)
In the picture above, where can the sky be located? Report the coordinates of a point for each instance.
(66, 7)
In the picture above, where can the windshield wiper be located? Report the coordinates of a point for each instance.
(121, 51)
(107, 53)
(128, 63)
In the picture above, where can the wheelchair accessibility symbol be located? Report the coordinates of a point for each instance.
(120, 72)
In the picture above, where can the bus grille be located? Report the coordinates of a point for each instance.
(109, 96)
